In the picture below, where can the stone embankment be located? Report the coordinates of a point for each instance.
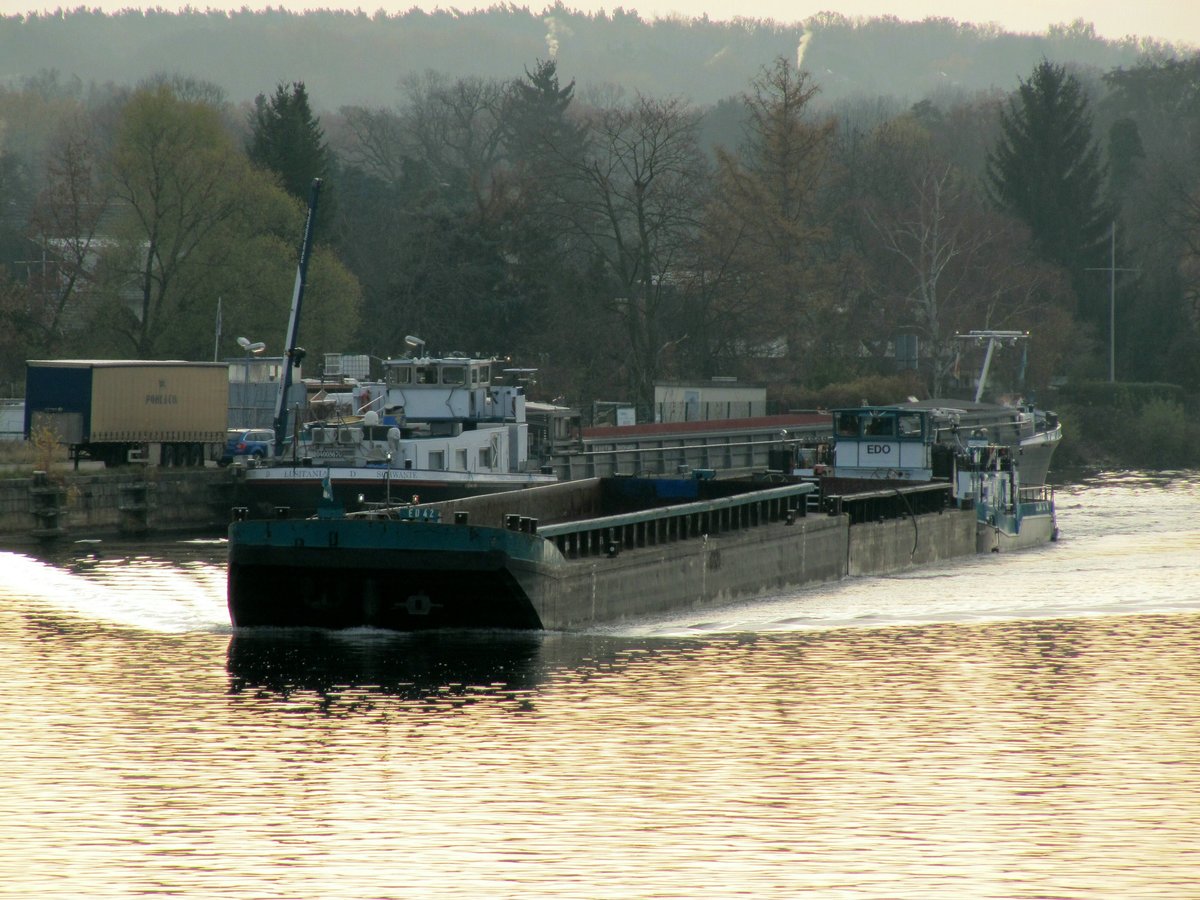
(65, 504)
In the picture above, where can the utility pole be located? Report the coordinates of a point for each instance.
(1112, 271)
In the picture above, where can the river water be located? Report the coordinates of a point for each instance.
(1016, 726)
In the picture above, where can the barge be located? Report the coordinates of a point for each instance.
(583, 553)
(578, 554)
(602, 549)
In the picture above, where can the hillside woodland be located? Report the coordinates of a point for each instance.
(612, 201)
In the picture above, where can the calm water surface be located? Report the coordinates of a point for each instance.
(1006, 726)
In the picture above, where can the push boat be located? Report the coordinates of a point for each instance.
(906, 444)
(582, 553)
(1027, 431)
(434, 428)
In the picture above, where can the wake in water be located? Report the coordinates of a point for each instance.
(1130, 544)
(173, 588)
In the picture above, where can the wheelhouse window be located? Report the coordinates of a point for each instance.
(910, 425)
(847, 424)
(399, 375)
(454, 375)
(879, 426)
(427, 374)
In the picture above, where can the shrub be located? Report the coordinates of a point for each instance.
(1166, 437)
(1123, 395)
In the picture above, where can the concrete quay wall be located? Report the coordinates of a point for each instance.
(69, 505)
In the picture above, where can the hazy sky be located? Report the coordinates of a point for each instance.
(1173, 20)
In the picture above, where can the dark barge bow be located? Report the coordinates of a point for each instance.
(413, 572)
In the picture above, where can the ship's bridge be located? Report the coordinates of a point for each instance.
(450, 388)
(883, 442)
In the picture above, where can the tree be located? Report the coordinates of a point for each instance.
(944, 261)
(639, 191)
(285, 138)
(543, 146)
(1155, 158)
(541, 140)
(19, 331)
(767, 226)
(65, 224)
(1046, 170)
(182, 183)
(196, 224)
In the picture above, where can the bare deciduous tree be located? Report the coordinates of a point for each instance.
(64, 223)
(638, 211)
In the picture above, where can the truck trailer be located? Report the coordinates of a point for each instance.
(157, 412)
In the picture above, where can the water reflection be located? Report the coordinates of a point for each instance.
(343, 668)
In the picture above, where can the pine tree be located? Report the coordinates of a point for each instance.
(1046, 170)
(287, 140)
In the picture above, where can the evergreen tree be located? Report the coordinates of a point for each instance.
(286, 139)
(543, 147)
(538, 130)
(1046, 170)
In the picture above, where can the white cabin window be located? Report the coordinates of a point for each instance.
(454, 375)
(437, 459)
(400, 375)
(910, 424)
(427, 374)
(485, 458)
(460, 460)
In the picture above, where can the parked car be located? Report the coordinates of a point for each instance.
(258, 443)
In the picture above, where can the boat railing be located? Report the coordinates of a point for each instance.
(609, 535)
(665, 454)
(894, 502)
(1037, 493)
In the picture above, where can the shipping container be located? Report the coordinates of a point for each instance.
(165, 412)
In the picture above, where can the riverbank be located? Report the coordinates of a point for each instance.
(1128, 426)
(64, 504)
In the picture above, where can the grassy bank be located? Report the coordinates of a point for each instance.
(1135, 426)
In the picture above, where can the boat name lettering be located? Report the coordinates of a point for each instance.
(879, 448)
(162, 400)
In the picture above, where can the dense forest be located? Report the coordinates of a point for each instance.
(351, 58)
(612, 201)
